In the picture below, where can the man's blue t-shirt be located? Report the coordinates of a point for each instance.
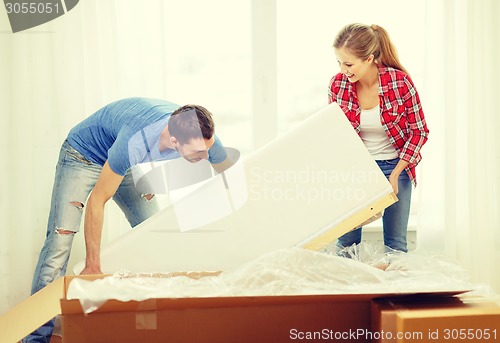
(127, 132)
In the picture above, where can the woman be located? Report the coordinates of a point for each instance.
(378, 97)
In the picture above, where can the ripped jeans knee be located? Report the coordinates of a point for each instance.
(147, 196)
(65, 232)
(77, 204)
(54, 257)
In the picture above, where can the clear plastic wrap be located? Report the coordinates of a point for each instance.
(287, 272)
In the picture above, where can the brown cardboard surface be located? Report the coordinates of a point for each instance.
(242, 319)
(340, 317)
(453, 319)
(211, 319)
(221, 319)
(31, 313)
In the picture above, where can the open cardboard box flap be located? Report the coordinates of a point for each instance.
(35, 310)
(32, 312)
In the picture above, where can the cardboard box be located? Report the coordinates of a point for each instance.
(339, 318)
(435, 319)
(222, 319)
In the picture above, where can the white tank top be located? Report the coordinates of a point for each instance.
(374, 136)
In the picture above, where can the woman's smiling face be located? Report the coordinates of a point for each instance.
(352, 66)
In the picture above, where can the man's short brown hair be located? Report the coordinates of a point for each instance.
(191, 122)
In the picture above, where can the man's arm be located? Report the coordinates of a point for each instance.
(104, 189)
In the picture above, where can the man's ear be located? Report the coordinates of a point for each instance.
(174, 141)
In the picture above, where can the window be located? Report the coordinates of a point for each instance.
(208, 61)
(306, 61)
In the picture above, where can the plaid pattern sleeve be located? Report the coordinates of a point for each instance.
(343, 92)
(402, 114)
(417, 127)
(338, 89)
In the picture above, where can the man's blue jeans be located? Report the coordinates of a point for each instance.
(395, 218)
(74, 179)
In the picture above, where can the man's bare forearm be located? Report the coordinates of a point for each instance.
(105, 188)
(94, 217)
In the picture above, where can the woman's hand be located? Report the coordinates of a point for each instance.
(393, 179)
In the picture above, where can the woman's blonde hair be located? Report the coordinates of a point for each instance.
(363, 40)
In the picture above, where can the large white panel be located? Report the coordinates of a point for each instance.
(299, 185)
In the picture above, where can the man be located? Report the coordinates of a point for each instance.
(97, 157)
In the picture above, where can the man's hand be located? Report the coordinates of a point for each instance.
(91, 270)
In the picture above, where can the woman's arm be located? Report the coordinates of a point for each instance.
(393, 178)
(418, 131)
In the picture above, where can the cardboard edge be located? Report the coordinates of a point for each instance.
(90, 277)
(32, 313)
(383, 318)
(349, 224)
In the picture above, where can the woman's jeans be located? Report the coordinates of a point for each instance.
(395, 218)
(74, 179)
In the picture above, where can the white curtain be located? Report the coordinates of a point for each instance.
(460, 180)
